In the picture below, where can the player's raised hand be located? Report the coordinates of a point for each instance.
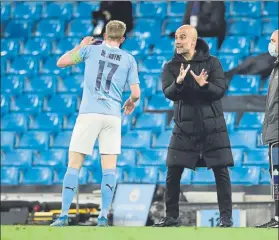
(201, 79)
(182, 73)
(129, 106)
(87, 41)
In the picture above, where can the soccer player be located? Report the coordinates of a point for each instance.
(107, 70)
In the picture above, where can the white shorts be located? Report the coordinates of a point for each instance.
(89, 127)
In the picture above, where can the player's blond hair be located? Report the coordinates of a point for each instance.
(115, 30)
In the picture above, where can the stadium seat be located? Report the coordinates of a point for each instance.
(50, 67)
(236, 45)
(16, 122)
(244, 27)
(52, 158)
(51, 122)
(148, 83)
(203, 176)
(65, 44)
(37, 176)
(83, 176)
(251, 120)
(245, 176)
(5, 103)
(127, 158)
(3, 65)
(51, 28)
(27, 10)
(26, 103)
(85, 9)
(140, 175)
(246, 9)
(152, 10)
(152, 157)
(230, 119)
(162, 175)
(228, 8)
(93, 161)
(164, 47)
(264, 88)
(33, 140)
(17, 158)
(270, 8)
(60, 10)
(186, 177)
(162, 140)
(24, 65)
(96, 176)
(261, 45)
(212, 44)
(60, 104)
(7, 141)
(269, 25)
(243, 139)
(176, 8)
(9, 176)
(160, 103)
(137, 140)
(42, 85)
(244, 85)
(80, 28)
(170, 126)
(134, 46)
(228, 62)
(12, 84)
(171, 25)
(237, 156)
(37, 46)
(148, 29)
(78, 68)
(119, 175)
(70, 84)
(265, 177)
(10, 47)
(18, 29)
(69, 121)
(256, 158)
(5, 11)
(61, 140)
(155, 122)
(126, 123)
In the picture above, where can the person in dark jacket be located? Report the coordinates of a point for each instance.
(270, 132)
(194, 80)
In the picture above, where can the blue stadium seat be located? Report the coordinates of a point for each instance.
(155, 122)
(119, 175)
(243, 139)
(60, 10)
(228, 8)
(170, 126)
(265, 177)
(236, 45)
(9, 176)
(51, 28)
(269, 25)
(52, 158)
(245, 176)
(137, 140)
(70, 84)
(62, 140)
(162, 140)
(94, 160)
(126, 123)
(26, 103)
(147, 28)
(176, 9)
(70, 121)
(83, 176)
(237, 156)
(203, 176)
(127, 158)
(135, 46)
(7, 141)
(66, 44)
(12, 84)
(17, 158)
(41, 84)
(24, 65)
(164, 46)
(230, 118)
(96, 176)
(246, 9)
(152, 10)
(212, 44)
(159, 102)
(228, 62)
(5, 11)
(51, 122)
(171, 25)
(261, 45)
(152, 157)
(140, 175)
(270, 8)
(37, 176)
(264, 88)
(251, 120)
(37, 46)
(244, 27)
(80, 28)
(162, 175)
(18, 29)
(186, 177)
(244, 85)
(27, 10)
(33, 140)
(78, 68)
(14, 122)
(3, 65)
(9, 47)
(50, 67)
(61, 104)
(58, 175)
(148, 83)
(5, 103)
(257, 157)
(85, 9)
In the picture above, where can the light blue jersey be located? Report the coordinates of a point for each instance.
(107, 71)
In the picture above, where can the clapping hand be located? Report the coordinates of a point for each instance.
(201, 79)
(182, 73)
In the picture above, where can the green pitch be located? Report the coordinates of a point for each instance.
(133, 233)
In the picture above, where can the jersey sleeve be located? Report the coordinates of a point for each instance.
(133, 77)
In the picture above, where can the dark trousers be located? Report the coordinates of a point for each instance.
(223, 184)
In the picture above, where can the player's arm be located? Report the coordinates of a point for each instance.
(74, 57)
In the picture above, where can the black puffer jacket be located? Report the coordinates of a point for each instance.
(200, 135)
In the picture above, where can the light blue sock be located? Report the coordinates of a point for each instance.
(70, 184)
(107, 189)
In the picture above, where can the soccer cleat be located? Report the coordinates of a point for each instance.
(60, 222)
(167, 222)
(102, 222)
(225, 222)
(271, 224)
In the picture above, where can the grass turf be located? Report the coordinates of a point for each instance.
(134, 233)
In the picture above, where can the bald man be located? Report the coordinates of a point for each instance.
(270, 133)
(194, 80)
